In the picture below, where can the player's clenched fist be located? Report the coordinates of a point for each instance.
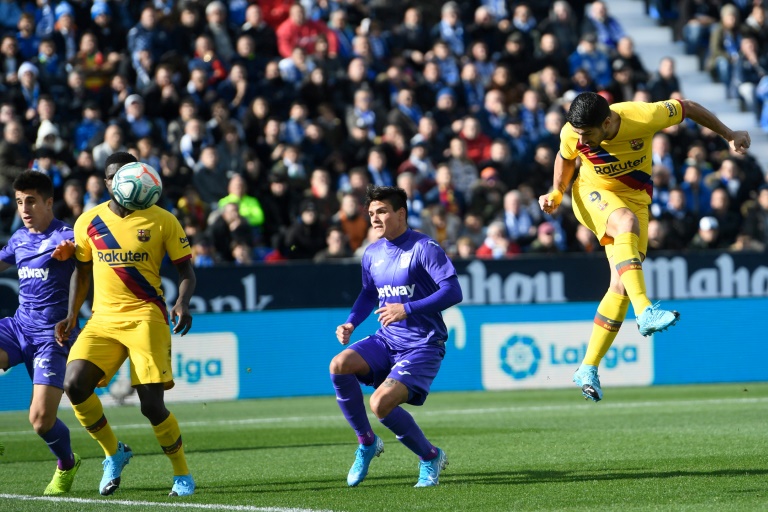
(63, 328)
(343, 332)
(64, 250)
(549, 202)
(740, 142)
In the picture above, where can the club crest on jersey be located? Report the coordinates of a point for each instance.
(636, 144)
(405, 260)
(143, 235)
(43, 246)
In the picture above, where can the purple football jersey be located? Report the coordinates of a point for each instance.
(43, 281)
(404, 270)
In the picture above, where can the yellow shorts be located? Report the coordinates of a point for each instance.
(593, 206)
(147, 344)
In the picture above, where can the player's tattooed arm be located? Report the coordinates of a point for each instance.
(389, 383)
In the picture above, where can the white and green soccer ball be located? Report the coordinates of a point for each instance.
(136, 186)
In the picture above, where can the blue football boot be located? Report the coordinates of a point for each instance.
(429, 470)
(586, 378)
(653, 319)
(363, 457)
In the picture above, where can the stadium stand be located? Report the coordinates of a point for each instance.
(459, 103)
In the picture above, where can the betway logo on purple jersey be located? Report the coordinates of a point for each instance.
(33, 273)
(397, 291)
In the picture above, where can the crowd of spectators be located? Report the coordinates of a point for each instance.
(268, 120)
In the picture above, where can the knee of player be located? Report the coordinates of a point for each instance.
(341, 365)
(625, 222)
(75, 389)
(382, 403)
(380, 406)
(42, 421)
(154, 411)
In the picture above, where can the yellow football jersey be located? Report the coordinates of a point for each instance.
(126, 255)
(623, 164)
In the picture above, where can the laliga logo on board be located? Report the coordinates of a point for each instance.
(538, 355)
(520, 357)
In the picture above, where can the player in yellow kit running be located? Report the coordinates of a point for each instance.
(611, 196)
(123, 250)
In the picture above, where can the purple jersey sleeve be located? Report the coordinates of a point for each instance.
(366, 300)
(43, 281)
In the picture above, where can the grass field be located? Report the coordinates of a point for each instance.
(692, 448)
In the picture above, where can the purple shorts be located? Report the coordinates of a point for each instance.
(46, 360)
(415, 368)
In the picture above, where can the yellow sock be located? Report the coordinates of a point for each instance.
(90, 414)
(626, 257)
(610, 315)
(168, 435)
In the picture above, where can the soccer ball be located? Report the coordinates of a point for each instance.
(136, 186)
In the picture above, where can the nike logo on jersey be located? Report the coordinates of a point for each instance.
(99, 237)
(404, 373)
(48, 374)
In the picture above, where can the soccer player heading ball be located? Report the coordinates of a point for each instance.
(611, 197)
(123, 249)
(410, 280)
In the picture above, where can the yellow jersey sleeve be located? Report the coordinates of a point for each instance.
(623, 164)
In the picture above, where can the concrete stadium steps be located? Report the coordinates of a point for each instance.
(653, 42)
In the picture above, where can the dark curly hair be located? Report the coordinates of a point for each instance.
(588, 110)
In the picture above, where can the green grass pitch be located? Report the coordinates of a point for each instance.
(687, 448)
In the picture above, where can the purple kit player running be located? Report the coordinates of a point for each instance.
(41, 251)
(409, 277)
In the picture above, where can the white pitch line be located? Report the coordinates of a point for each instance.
(444, 412)
(175, 505)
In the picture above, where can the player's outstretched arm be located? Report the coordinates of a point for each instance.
(64, 250)
(4, 266)
(739, 140)
(78, 291)
(180, 314)
(564, 170)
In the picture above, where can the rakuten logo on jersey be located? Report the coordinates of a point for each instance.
(33, 273)
(117, 257)
(618, 167)
(397, 291)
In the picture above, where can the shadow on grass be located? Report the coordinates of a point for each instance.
(450, 479)
(535, 477)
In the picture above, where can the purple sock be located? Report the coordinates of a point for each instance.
(57, 440)
(349, 396)
(408, 432)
